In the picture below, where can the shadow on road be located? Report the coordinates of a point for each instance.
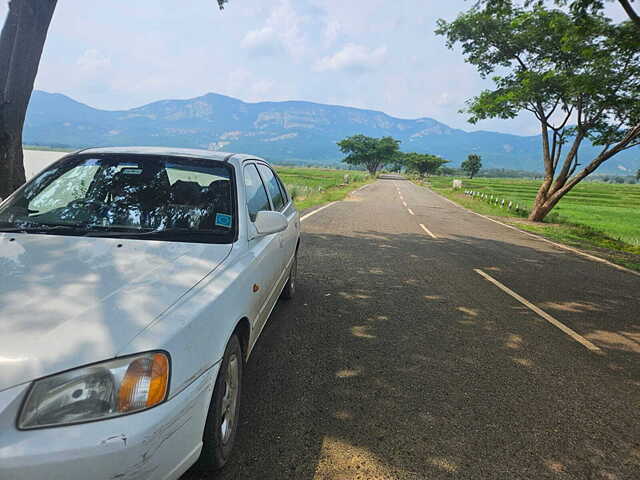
(396, 361)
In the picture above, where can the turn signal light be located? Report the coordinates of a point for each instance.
(145, 383)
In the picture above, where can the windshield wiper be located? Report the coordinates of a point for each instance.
(44, 228)
(151, 233)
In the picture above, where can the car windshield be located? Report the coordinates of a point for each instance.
(128, 196)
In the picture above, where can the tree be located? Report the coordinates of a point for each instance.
(423, 164)
(372, 153)
(21, 44)
(561, 70)
(578, 7)
(638, 175)
(583, 7)
(472, 165)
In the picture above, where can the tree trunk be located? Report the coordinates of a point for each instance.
(11, 162)
(547, 199)
(373, 167)
(21, 43)
(540, 211)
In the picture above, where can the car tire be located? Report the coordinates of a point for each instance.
(222, 419)
(289, 290)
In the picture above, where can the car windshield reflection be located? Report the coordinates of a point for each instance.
(128, 196)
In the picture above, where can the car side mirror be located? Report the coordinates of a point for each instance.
(268, 222)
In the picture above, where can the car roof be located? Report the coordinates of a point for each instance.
(173, 152)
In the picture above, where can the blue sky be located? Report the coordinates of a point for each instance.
(371, 54)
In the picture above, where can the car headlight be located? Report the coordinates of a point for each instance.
(96, 392)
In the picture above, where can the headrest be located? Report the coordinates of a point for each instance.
(186, 193)
(219, 187)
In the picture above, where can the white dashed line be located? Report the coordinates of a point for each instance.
(316, 211)
(428, 231)
(405, 204)
(410, 211)
(556, 323)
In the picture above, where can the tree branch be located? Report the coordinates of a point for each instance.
(630, 137)
(635, 18)
(568, 162)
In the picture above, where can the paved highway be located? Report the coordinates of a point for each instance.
(427, 342)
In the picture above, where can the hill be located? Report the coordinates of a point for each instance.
(291, 131)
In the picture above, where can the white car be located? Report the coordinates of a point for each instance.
(134, 283)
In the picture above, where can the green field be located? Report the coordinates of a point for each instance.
(313, 186)
(593, 215)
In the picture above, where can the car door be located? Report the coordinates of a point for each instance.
(265, 251)
(281, 203)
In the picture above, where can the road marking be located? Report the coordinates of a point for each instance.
(410, 211)
(428, 231)
(405, 204)
(316, 211)
(533, 235)
(556, 323)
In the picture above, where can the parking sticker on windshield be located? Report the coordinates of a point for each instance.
(223, 220)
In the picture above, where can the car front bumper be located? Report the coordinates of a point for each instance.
(160, 443)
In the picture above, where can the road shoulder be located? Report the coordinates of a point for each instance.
(601, 255)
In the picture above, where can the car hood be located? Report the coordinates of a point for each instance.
(69, 301)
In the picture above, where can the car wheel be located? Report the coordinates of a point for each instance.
(222, 418)
(290, 288)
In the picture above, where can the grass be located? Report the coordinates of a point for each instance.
(599, 217)
(314, 186)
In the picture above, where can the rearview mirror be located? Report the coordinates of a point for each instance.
(268, 222)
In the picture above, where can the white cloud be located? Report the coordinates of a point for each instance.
(263, 41)
(285, 30)
(92, 61)
(353, 58)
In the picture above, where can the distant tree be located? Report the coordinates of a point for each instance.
(423, 164)
(638, 175)
(448, 171)
(21, 44)
(579, 77)
(371, 153)
(472, 165)
(396, 163)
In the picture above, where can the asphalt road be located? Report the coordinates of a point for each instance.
(397, 360)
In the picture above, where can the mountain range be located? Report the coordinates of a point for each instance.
(283, 132)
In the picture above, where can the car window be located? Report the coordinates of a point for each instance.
(285, 194)
(203, 179)
(273, 186)
(257, 199)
